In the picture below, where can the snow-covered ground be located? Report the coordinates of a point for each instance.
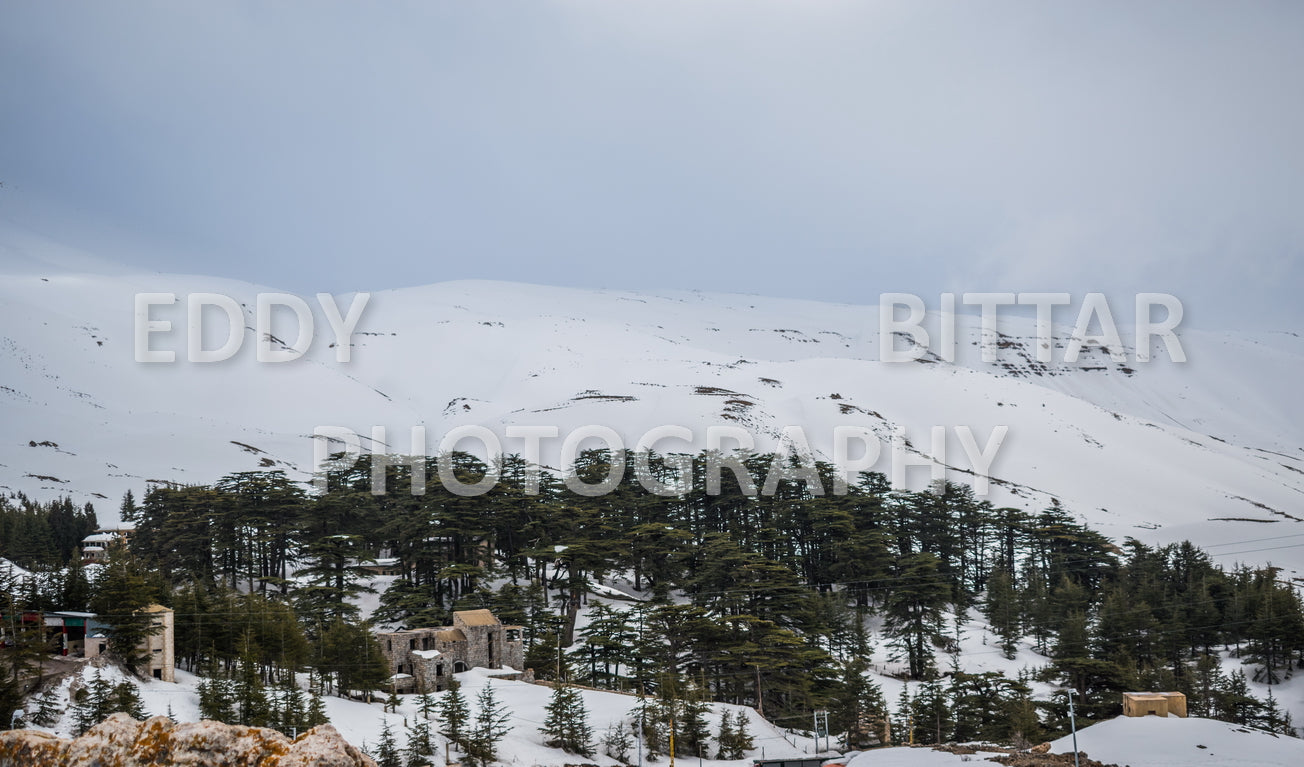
(1175, 742)
(1139, 742)
(361, 723)
(1208, 450)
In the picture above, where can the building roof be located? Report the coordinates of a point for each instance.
(476, 617)
(451, 635)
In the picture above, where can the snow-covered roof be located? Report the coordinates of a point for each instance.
(427, 654)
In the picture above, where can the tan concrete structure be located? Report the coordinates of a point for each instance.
(1154, 704)
(424, 659)
(159, 646)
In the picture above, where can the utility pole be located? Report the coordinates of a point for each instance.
(1073, 725)
(671, 706)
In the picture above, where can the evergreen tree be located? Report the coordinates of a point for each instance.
(126, 698)
(649, 727)
(455, 716)
(386, 752)
(217, 700)
(250, 697)
(48, 711)
(94, 703)
(420, 746)
(912, 612)
(566, 725)
(743, 741)
(692, 732)
(858, 709)
(121, 594)
(617, 742)
(427, 704)
(488, 729)
(903, 723)
(316, 711)
(932, 715)
(725, 738)
(1002, 610)
(128, 511)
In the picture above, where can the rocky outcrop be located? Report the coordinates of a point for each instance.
(121, 741)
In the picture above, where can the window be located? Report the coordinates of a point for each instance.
(412, 644)
(158, 673)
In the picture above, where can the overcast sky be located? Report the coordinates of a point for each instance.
(827, 150)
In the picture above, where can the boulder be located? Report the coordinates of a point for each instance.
(125, 742)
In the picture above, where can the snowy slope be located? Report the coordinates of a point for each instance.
(1143, 742)
(361, 723)
(1174, 742)
(1210, 450)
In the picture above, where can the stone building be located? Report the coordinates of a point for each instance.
(424, 659)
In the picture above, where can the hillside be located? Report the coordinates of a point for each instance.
(1207, 450)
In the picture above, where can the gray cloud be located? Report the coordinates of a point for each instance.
(827, 150)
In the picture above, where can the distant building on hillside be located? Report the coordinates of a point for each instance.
(424, 659)
(1154, 704)
(79, 634)
(95, 547)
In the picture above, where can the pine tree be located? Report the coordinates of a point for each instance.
(858, 709)
(912, 612)
(126, 698)
(742, 736)
(420, 746)
(692, 733)
(489, 728)
(121, 594)
(386, 751)
(566, 725)
(726, 738)
(250, 697)
(932, 714)
(427, 704)
(217, 700)
(128, 511)
(94, 703)
(617, 742)
(393, 701)
(48, 711)
(649, 726)
(1002, 610)
(454, 714)
(316, 711)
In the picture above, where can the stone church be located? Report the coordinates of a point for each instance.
(424, 660)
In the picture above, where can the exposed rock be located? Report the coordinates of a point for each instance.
(121, 741)
(1026, 759)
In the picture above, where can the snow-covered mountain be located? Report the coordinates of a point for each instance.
(1211, 449)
